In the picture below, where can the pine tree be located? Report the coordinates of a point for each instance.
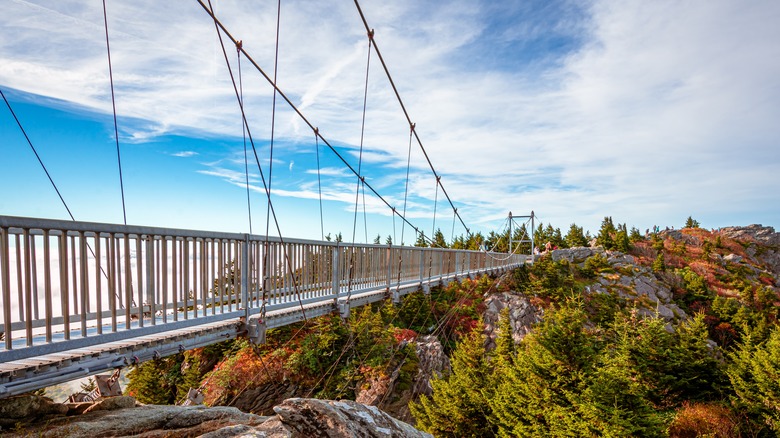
(658, 264)
(754, 372)
(691, 223)
(459, 406)
(537, 395)
(438, 239)
(575, 237)
(606, 234)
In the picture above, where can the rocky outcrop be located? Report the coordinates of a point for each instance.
(325, 418)
(392, 396)
(628, 280)
(522, 316)
(25, 409)
(432, 362)
(294, 418)
(769, 252)
(261, 400)
(576, 255)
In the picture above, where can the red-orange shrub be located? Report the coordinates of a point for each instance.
(703, 419)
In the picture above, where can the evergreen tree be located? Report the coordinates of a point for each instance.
(658, 264)
(377, 239)
(459, 405)
(575, 237)
(754, 373)
(606, 234)
(421, 242)
(537, 395)
(691, 223)
(389, 240)
(438, 239)
(635, 235)
(622, 242)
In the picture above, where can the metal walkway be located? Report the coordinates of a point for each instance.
(79, 298)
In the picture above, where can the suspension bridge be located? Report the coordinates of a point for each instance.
(79, 298)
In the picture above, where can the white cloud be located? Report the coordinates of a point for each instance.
(650, 112)
(184, 154)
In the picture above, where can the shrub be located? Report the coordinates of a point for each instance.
(703, 419)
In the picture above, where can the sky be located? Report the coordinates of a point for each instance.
(648, 112)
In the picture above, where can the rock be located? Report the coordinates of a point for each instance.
(26, 408)
(522, 315)
(326, 418)
(575, 255)
(432, 363)
(732, 258)
(261, 400)
(111, 404)
(149, 420)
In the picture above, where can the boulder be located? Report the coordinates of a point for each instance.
(27, 408)
(306, 417)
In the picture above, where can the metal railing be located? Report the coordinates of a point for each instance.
(67, 285)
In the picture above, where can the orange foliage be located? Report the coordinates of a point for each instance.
(242, 371)
(404, 335)
(703, 419)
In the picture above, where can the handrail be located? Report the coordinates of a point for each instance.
(63, 284)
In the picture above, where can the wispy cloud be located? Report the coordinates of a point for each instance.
(184, 154)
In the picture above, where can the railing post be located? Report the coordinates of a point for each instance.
(422, 266)
(149, 292)
(335, 274)
(245, 275)
(389, 265)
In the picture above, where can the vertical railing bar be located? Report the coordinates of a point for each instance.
(19, 285)
(64, 300)
(47, 284)
(139, 266)
(84, 283)
(204, 262)
(149, 291)
(5, 283)
(34, 272)
(174, 279)
(245, 275)
(128, 283)
(258, 275)
(98, 286)
(221, 275)
(112, 278)
(185, 289)
(27, 288)
(75, 276)
(164, 278)
(213, 275)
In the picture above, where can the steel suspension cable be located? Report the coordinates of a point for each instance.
(273, 116)
(290, 103)
(319, 181)
(113, 106)
(406, 113)
(243, 134)
(257, 161)
(48, 175)
(435, 204)
(360, 178)
(18, 123)
(406, 186)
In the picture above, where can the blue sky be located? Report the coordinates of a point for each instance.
(645, 111)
